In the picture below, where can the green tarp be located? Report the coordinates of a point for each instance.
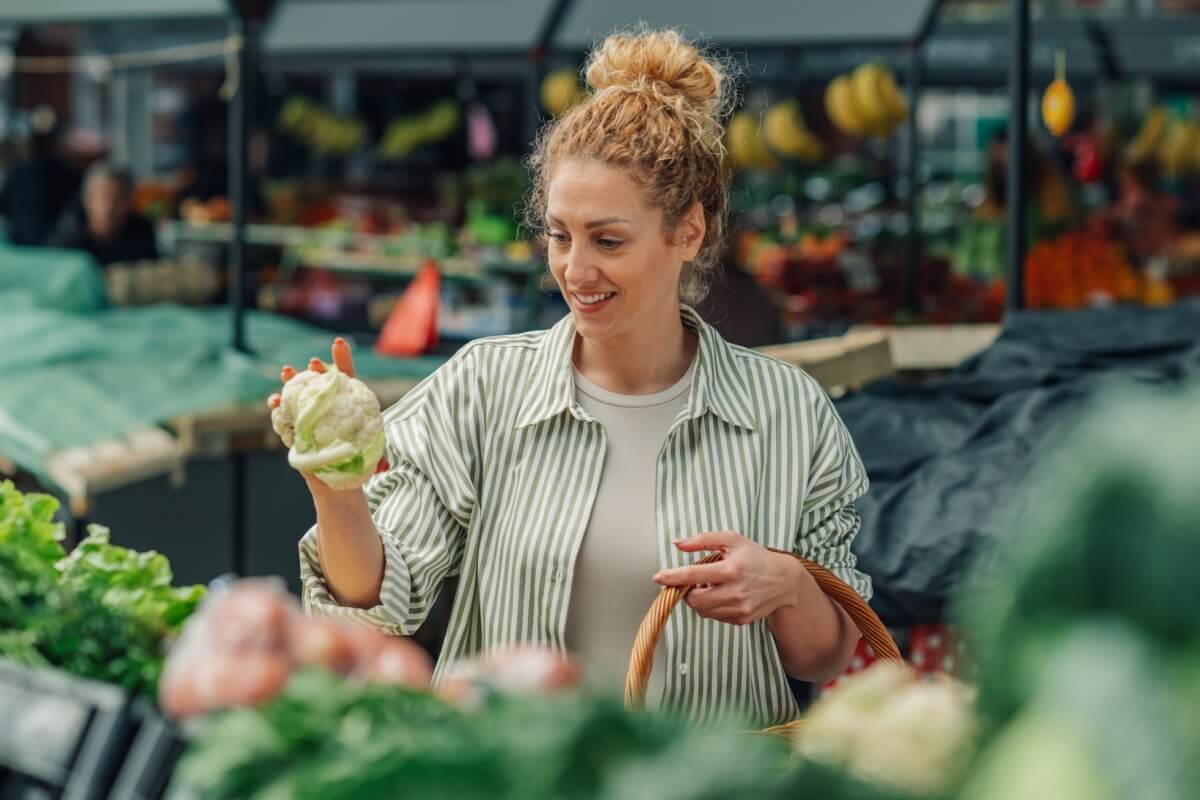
(67, 280)
(72, 379)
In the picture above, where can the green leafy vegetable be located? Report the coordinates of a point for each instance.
(329, 739)
(102, 612)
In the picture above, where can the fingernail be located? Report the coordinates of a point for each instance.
(339, 340)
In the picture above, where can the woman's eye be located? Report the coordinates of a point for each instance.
(609, 244)
(558, 238)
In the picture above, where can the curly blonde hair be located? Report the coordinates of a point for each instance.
(657, 109)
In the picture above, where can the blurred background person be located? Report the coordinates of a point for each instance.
(105, 225)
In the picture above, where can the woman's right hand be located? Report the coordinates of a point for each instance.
(343, 359)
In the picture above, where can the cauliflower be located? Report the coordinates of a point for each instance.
(333, 427)
(887, 726)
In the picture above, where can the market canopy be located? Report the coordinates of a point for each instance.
(752, 22)
(358, 26)
(74, 11)
(514, 25)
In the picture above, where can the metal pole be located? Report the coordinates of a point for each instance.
(241, 111)
(1018, 152)
(912, 265)
(241, 116)
(543, 43)
(535, 73)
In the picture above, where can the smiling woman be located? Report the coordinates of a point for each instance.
(566, 475)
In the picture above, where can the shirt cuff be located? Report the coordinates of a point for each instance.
(388, 616)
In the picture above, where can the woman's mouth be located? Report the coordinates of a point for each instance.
(591, 303)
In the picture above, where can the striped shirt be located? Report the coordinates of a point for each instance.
(495, 468)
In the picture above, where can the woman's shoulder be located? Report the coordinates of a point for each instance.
(776, 389)
(480, 364)
(758, 367)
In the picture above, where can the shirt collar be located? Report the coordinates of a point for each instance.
(718, 385)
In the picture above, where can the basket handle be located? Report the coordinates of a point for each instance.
(641, 660)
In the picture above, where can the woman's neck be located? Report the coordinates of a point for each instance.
(645, 361)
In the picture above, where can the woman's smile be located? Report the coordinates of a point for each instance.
(592, 303)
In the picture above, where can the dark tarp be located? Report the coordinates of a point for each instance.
(947, 458)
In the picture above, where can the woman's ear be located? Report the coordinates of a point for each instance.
(689, 233)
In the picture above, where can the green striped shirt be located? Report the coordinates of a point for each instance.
(495, 468)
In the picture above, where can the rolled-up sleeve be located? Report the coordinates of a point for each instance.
(422, 506)
(829, 520)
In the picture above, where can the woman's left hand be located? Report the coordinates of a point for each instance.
(748, 584)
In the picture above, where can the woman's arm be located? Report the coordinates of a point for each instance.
(815, 636)
(349, 546)
(379, 554)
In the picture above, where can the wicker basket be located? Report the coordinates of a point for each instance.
(641, 661)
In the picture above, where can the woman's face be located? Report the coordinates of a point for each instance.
(616, 267)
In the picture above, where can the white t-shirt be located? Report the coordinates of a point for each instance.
(612, 588)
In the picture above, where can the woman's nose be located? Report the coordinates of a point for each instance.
(579, 272)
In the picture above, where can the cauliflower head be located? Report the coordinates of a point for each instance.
(886, 726)
(332, 426)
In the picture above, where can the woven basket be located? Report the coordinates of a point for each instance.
(641, 661)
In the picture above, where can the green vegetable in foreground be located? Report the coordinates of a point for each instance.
(333, 739)
(102, 612)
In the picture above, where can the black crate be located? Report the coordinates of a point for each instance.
(62, 738)
(147, 767)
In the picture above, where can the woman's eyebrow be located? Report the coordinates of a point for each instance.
(596, 223)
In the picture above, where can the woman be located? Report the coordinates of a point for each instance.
(566, 475)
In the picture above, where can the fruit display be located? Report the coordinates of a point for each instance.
(560, 90)
(1078, 269)
(1145, 143)
(1179, 151)
(403, 136)
(1058, 101)
(788, 137)
(101, 612)
(195, 211)
(325, 131)
(1170, 141)
(746, 144)
(866, 102)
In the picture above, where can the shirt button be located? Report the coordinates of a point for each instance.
(683, 669)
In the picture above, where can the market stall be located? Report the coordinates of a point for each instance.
(1030, 526)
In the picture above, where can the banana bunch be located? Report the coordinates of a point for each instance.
(324, 131)
(1145, 144)
(561, 90)
(1179, 151)
(788, 137)
(403, 136)
(866, 102)
(746, 145)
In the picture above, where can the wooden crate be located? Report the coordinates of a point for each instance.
(842, 362)
(934, 347)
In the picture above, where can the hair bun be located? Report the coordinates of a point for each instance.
(632, 60)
